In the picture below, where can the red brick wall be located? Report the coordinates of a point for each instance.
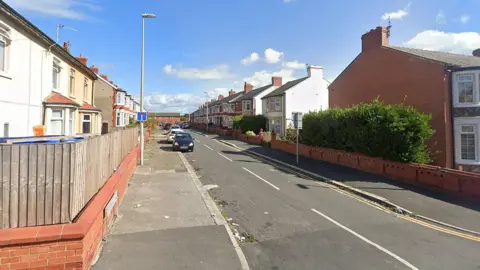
(171, 120)
(400, 78)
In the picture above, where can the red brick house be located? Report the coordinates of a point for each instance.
(166, 117)
(442, 84)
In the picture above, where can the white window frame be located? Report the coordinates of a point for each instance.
(87, 121)
(246, 104)
(118, 119)
(476, 88)
(59, 119)
(85, 89)
(5, 39)
(467, 121)
(71, 119)
(71, 83)
(56, 69)
(3, 55)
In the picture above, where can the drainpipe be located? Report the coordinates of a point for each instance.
(449, 75)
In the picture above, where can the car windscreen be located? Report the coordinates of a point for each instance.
(183, 136)
(175, 127)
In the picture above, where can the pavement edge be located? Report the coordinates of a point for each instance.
(214, 211)
(369, 196)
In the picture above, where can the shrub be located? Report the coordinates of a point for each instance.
(253, 123)
(395, 132)
(290, 134)
(250, 133)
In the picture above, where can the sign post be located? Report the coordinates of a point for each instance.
(297, 122)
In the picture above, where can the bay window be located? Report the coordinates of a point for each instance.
(247, 105)
(57, 122)
(87, 124)
(277, 104)
(71, 122)
(468, 147)
(466, 88)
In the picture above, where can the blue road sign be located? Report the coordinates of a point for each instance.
(141, 116)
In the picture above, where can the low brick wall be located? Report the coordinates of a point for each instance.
(465, 184)
(67, 246)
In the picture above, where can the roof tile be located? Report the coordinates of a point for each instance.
(56, 98)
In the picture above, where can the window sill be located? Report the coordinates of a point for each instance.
(467, 162)
(465, 105)
(5, 75)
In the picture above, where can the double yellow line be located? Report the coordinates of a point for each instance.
(442, 229)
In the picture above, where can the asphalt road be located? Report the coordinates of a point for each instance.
(297, 223)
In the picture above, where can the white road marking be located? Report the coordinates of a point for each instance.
(275, 187)
(225, 157)
(395, 256)
(208, 147)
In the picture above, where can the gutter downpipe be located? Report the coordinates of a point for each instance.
(449, 74)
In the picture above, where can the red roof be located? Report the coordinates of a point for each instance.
(56, 98)
(88, 107)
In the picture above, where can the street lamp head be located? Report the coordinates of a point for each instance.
(148, 15)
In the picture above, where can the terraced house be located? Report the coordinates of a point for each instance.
(43, 83)
(444, 85)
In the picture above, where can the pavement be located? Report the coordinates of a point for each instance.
(293, 222)
(462, 213)
(165, 220)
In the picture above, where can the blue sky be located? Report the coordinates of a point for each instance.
(195, 46)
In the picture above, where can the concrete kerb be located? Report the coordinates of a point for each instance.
(214, 211)
(369, 196)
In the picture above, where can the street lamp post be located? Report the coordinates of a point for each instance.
(144, 16)
(207, 112)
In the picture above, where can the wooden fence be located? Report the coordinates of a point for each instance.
(43, 184)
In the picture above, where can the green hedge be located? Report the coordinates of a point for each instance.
(394, 132)
(253, 123)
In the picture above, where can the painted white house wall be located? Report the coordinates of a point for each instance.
(25, 82)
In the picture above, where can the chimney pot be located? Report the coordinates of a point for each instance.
(82, 59)
(66, 46)
(476, 52)
(277, 81)
(375, 38)
(94, 69)
(104, 77)
(247, 87)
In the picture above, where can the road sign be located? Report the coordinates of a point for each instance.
(297, 119)
(142, 116)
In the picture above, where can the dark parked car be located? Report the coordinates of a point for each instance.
(183, 142)
(186, 125)
(167, 126)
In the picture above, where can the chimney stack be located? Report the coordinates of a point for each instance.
(94, 69)
(66, 46)
(247, 87)
(105, 77)
(277, 81)
(476, 53)
(231, 92)
(220, 97)
(315, 71)
(374, 39)
(82, 59)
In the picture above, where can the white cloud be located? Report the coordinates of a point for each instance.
(396, 15)
(441, 18)
(215, 73)
(254, 57)
(294, 65)
(272, 56)
(288, 1)
(465, 18)
(182, 103)
(462, 43)
(70, 9)
(261, 78)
